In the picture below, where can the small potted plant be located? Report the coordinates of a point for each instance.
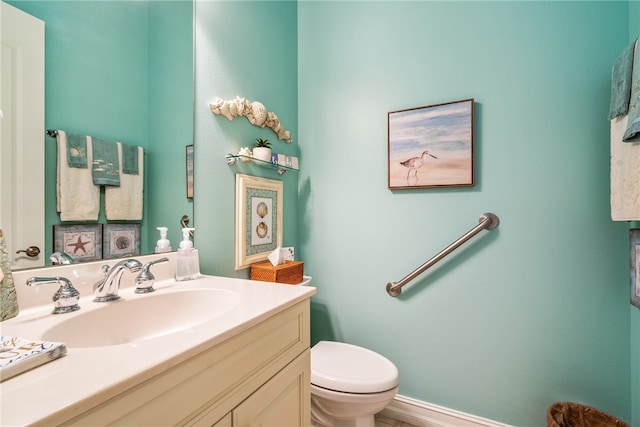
(262, 150)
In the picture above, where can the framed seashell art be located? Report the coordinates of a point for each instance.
(258, 219)
(120, 240)
(431, 146)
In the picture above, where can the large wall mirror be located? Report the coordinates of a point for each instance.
(121, 70)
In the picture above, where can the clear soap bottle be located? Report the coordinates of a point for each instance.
(163, 245)
(187, 260)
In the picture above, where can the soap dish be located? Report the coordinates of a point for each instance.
(305, 281)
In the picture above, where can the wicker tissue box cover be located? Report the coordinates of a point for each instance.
(291, 272)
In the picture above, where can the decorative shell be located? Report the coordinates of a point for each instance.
(244, 151)
(262, 210)
(262, 230)
(259, 113)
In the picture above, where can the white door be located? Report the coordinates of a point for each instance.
(22, 134)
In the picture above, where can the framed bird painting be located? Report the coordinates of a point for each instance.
(431, 146)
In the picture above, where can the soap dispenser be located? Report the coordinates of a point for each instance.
(187, 261)
(163, 245)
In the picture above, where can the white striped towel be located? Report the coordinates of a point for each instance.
(125, 202)
(77, 198)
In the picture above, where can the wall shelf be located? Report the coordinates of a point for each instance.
(280, 169)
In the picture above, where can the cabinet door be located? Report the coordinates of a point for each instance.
(225, 422)
(284, 401)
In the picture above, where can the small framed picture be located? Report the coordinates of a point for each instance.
(431, 146)
(258, 218)
(634, 266)
(189, 160)
(82, 242)
(121, 240)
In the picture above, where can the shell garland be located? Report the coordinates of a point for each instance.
(255, 112)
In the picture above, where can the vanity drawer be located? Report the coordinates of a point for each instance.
(211, 384)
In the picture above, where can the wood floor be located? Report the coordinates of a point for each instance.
(382, 421)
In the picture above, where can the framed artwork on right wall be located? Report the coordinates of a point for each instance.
(431, 146)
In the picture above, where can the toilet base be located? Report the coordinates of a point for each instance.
(335, 409)
(318, 419)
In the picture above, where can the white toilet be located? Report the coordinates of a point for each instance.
(349, 385)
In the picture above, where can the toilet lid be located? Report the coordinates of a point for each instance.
(348, 368)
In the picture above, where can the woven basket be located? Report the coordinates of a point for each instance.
(569, 414)
(290, 273)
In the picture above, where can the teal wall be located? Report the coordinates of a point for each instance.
(635, 366)
(529, 314)
(170, 77)
(245, 49)
(108, 73)
(534, 312)
(634, 31)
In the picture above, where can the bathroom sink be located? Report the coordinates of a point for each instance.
(142, 317)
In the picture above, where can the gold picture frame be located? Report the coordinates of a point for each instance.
(259, 207)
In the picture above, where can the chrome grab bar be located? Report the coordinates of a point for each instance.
(487, 221)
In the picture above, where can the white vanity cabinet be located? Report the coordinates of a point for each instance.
(282, 401)
(260, 376)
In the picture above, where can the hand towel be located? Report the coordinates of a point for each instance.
(18, 355)
(632, 134)
(125, 202)
(621, 83)
(77, 150)
(77, 198)
(625, 174)
(130, 159)
(106, 169)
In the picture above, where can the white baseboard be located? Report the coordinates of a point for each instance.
(424, 414)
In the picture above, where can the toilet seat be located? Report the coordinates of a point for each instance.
(347, 368)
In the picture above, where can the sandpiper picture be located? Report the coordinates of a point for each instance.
(431, 146)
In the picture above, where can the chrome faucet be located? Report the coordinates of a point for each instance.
(58, 258)
(107, 288)
(66, 298)
(145, 280)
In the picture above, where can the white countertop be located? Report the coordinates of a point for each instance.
(85, 377)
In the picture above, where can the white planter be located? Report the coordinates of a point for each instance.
(262, 153)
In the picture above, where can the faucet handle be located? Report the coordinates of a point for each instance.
(66, 298)
(145, 280)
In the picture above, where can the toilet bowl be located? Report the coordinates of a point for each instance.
(349, 385)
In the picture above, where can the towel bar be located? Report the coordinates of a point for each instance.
(487, 221)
